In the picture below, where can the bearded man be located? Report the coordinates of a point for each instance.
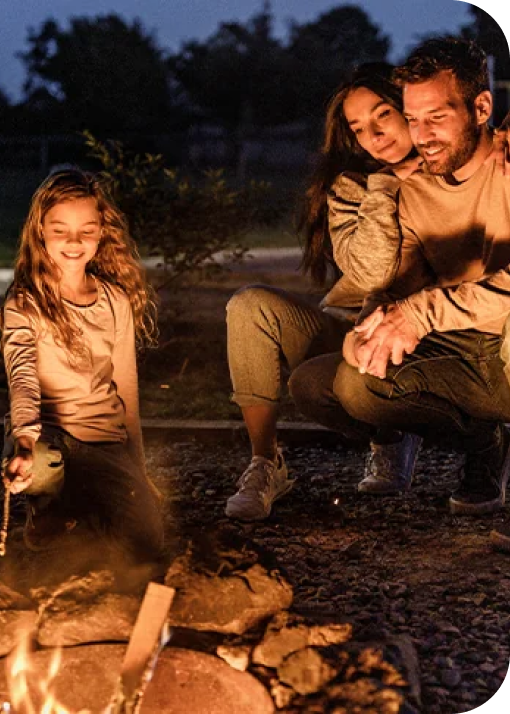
(427, 360)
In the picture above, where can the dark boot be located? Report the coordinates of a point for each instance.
(484, 478)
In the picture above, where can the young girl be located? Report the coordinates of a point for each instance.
(351, 229)
(77, 305)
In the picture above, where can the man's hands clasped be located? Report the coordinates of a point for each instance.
(381, 338)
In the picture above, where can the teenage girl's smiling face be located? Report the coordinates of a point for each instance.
(379, 128)
(71, 231)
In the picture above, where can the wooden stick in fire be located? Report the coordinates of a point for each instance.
(5, 520)
(150, 634)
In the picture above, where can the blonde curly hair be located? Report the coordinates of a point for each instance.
(116, 261)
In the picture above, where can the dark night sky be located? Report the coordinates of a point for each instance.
(174, 21)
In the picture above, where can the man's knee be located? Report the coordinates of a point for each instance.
(358, 392)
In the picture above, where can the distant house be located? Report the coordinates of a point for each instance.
(492, 29)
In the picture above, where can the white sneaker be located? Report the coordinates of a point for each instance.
(263, 482)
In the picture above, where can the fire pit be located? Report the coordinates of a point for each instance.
(184, 682)
(111, 680)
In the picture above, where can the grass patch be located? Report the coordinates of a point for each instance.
(187, 376)
(190, 397)
(198, 395)
(282, 236)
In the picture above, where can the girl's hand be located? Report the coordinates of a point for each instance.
(17, 471)
(349, 349)
(501, 147)
(366, 329)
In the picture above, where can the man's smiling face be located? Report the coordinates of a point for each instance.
(442, 128)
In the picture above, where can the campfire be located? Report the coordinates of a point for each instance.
(236, 646)
(19, 672)
(145, 678)
(34, 693)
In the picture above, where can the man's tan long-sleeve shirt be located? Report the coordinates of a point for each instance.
(455, 256)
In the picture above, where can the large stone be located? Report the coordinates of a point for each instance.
(83, 610)
(184, 682)
(85, 680)
(228, 602)
(12, 624)
(306, 671)
(188, 682)
(12, 600)
(367, 697)
(286, 634)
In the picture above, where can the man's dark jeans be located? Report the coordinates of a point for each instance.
(451, 388)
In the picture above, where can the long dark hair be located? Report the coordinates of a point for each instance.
(340, 151)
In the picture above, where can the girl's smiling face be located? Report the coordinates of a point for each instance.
(378, 126)
(71, 231)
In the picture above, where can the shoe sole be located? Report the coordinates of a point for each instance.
(373, 486)
(382, 489)
(500, 541)
(461, 508)
(261, 517)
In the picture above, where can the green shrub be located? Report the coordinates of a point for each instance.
(186, 221)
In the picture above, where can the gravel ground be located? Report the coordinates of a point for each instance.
(389, 565)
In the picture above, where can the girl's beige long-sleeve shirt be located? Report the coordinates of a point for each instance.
(94, 399)
(364, 231)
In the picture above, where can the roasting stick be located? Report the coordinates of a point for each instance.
(5, 520)
(150, 634)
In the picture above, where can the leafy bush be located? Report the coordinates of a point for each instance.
(187, 221)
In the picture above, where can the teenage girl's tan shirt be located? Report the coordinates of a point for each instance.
(94, 399)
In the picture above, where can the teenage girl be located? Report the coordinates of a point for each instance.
(78, 306)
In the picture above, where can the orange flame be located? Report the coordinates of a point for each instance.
(32, 693)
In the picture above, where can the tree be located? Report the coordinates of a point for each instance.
(326, 50)
(486, 31)
(238, 76)
(243, 75)
(185, 220)
(107, 75)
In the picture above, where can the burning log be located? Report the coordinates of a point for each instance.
(150, 634)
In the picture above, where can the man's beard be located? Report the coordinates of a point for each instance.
(457, 155)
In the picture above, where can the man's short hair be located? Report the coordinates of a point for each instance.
(464, 58)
